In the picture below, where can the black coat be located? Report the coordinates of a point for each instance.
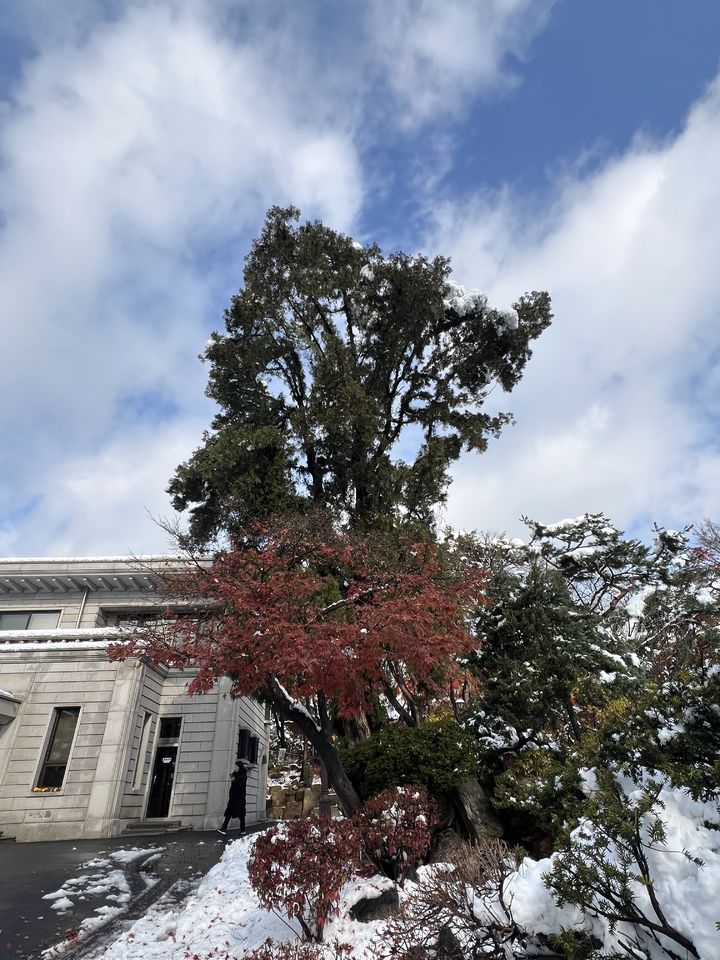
(236, 800)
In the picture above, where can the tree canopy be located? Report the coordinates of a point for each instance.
(314, 620)
(349, 379)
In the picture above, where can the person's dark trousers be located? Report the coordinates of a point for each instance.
(228, 818)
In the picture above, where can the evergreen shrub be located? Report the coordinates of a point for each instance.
(438, 755)
(544, 786)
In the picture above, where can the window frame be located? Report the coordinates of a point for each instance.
(248, 745)
(28, 614)
(145, 742)
(37, 789)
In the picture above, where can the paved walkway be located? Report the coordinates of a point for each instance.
(93, 873)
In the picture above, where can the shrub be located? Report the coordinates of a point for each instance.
(543, 785)
(606, 867)
(673, 728)
(445, 907)
(438, 755)
(300, 866)
(396, 829)
(271, 950)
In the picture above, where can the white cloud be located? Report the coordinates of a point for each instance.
(618, 408)
(435, 53)
(108, 502)
(138, 156)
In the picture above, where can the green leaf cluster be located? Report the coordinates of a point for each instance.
(436, 754)
(332, 354)
(544, 785)
(539, 653)
(673, 728)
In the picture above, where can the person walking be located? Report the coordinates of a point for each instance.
(236, 800)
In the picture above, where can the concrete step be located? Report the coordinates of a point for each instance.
(146, 828)
(5, 839)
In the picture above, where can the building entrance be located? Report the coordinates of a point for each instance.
(163, 773)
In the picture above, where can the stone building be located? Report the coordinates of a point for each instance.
(90, 748)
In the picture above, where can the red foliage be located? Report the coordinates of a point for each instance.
(270, 950)
(301, 866)
(396, 828)
(322, 612)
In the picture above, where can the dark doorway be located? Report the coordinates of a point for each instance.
(164, 768)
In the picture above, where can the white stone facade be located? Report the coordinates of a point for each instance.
(119, 743)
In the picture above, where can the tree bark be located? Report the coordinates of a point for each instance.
(356, 729)
(290, 709)
(572, 717)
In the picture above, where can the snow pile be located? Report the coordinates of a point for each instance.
(224, 914)
(686, 891)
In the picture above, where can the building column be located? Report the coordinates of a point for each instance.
(111, 774)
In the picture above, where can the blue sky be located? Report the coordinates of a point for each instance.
(568, 146)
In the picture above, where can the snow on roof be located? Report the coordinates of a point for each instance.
(63, 633)
(130, 558)
(36, 646)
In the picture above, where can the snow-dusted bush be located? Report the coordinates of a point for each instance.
(673, 728)
(542, 784)
(396, 829)
(462, 904)
(300, 866)
(271, 950)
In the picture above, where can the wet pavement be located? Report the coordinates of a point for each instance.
(92, 879)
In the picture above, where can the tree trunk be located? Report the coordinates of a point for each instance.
(324, 795)
(290, 709)
(346, 794)
(356, 729)
(572, 717)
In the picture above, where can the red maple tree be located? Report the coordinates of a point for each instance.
(313, 621)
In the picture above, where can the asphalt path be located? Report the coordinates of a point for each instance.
(28, 871)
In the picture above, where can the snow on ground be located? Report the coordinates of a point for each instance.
(105, 880)
(224, 913)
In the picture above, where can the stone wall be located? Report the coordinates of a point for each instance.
(295, 801)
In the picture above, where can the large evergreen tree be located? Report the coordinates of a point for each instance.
(335, 358)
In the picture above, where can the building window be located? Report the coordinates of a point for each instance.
(247, 748)
(52, 771)
(29, 620)
(170, 728)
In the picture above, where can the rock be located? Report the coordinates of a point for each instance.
(477, 815)
(448, 945)
(293, 810)
(376, 908)
(309, 803)
(446, 847)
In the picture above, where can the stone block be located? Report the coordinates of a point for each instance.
(309, 803)
(292, 811)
